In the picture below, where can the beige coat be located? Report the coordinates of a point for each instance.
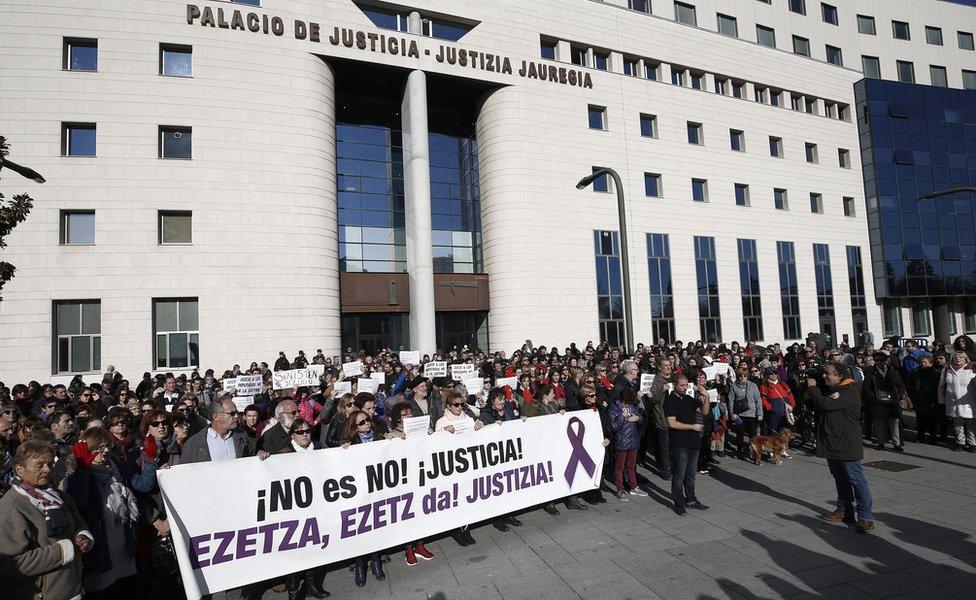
(43, 568)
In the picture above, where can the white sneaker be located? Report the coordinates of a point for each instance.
(638, 492)
(622, 496)
(786, 454)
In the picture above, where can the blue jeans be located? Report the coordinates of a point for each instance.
(684, 464)
(851, 486)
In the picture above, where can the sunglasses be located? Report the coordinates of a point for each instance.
(456, 404)
(302, 432)
(591, 395)
(289, 412)
(119, 424)
(232, 413)
(364, 422)
(349, 405)
(159, 423)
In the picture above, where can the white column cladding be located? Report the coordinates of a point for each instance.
(416, 177)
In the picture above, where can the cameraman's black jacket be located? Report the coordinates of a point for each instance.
(838, 421)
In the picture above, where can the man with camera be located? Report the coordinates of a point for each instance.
(839, 441)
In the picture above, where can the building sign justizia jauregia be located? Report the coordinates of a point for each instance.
(396, 45)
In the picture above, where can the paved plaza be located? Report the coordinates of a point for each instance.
(760, 540)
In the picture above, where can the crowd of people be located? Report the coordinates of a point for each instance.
(79, 462)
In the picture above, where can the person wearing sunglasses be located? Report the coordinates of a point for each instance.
(155, 429)
(110, 509)
(331, 435)
(359, 430)
(222, 440)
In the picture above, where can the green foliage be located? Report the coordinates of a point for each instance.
(11, 214)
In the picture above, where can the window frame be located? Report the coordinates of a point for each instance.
(850, 207)
(933, 70)
(816, 203)
(797, 6)
(68, 43)
(895, 24)
(776, 142)
(899, 64)
(744, 189)
(965, 35)
(94, 340)
(703, 185)
(844, 158)
(64, 239)
(810, 151)
(175, 48)
(895, 308)
(832, 52)
(699, 130)
(760, 29)
(727, 19)
(737, 136)
(684, 5)
(830, 9)
(865, 59)
(926, 310)
(189, 333)
(929, 29)
(67, 127)
(652, 119)
(785, 197)
(160, 214)
(866, 19)
(658, 185)
(803, 40)
(163, 130)
(601, 112)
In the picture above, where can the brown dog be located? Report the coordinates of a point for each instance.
(771, 443)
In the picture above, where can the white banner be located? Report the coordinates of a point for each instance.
(474, 385)
(341, 387)
(410, 357)
(511, 382)
(249, 385)
(461, 372)
(646, 381)
(351, 369)
(293, 512)
(242, 402)
(230, 384)
(366, 385)
(717, 369)
(282, 380)
(319, 369)
(437, 368)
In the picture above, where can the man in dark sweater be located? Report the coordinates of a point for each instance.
(685, 416)
(839, 441)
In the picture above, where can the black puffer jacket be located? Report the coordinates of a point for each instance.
(838, 421)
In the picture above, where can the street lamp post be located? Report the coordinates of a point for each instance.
(624, 253)
(940, 306)
(25, 171)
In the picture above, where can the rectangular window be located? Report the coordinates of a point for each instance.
(871, 67)
(175, 61)
(865, 25)
(829, 13)
(844, 158)
(798, 6)
(825, 290)
(601, 183)
(77, 228)
(601, 61)
(965, 39)
(859, 310)
(685, 13)
(811, 153)
(650, 70)
(900, 30)
(175, 142)
(969, 316)
(741, 194)
(749, 289)
(759, 94)
(640, 5)
(835, 56)
(631, 67)
(577, 55)
(697, 80)
(891, 313)
(648, 125)
(248, 2)
(810, 105)
(788, 290)
(780, 199)
(737, 139)
(699, 190)
(801, 45)
(77, 139)
(609, 288)
(547, 49)
(79, 54)
(721, 86)
(921, 318)
(176, 331)
(796, 102)
(677, 76)
(652, 185)
(933, 35)
(662, 295)
(766, 36)
(175, 227)
(816, 203)
(848, 206)
(77, 336)
(728, 25)
(968, 80)
(774, 97)
(776, 147)
(597, 116)
(706, 271)
(738, 89)
(695, 134)
(938, 76)
(906, 71)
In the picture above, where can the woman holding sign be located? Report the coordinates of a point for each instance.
(359, 430)
(458, 419)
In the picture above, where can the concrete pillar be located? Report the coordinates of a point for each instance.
(941, 317)
(416, 179)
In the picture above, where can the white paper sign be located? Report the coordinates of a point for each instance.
(717, 369)
(409, 357)
(646, 381)
(342, 387)
(436, 368)
(511, 382)
(416, 426)
(712, 395)
(249, 385)
(474, 385)
(351, 369)
(366, 385)
(282, 380)
(319, 369)
(462, 372)
(228, 544)
(230, 384)
(463, 426)
(379, 377)
(242, 402)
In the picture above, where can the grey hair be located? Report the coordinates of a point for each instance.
(217, 408)
(281, 407)
(628, 365)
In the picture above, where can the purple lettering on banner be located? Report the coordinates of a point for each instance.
(310, 533)
(267, 531)
(579, 457)
(348, 523)
(220, 555)
(198, 549)
(286, 543)
(245, 540)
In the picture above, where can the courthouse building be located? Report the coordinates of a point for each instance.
(230, 179)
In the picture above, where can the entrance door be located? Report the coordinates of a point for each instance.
(462, 328)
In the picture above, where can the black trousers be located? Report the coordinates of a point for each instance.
(662, 442)
(926, 423)
(749, 427)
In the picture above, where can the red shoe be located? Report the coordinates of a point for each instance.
(424, 553)
(411, 557)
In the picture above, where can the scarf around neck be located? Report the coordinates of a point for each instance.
(43, 499)
(366, 437)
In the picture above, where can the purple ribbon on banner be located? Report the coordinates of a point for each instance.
(580, 457)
